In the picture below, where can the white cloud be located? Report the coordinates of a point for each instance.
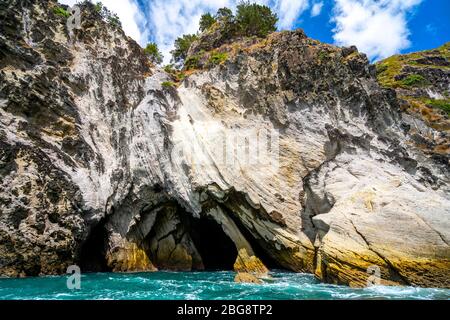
(288, 11)
(316, 9)
(377, 27)
(133, 20)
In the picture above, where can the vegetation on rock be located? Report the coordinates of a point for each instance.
(192, 62)
(413, 80)
(106, 15)
(176, 74)
(255, 20)
(390, 69)
(218, 58)
(443, 104)
(167, 84)
(182, 45)
(421, 80)
(60, 11)
(206, 21)
(251, 20)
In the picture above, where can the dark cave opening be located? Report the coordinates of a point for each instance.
(92, 254)
(217, 250)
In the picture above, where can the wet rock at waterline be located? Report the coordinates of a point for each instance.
(103, 166)
(246, 278)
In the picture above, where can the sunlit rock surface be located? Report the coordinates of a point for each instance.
(103, 166)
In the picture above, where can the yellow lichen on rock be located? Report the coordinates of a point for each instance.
(129, 258)
(250, 264)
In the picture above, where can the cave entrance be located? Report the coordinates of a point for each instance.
(217, 250)
(92, 254)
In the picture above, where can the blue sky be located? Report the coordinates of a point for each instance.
(379, 28)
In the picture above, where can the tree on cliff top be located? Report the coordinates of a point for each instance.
(206, 21)
(106, 15)
(153, 53)
(255, 20)
(251, 20)
(224, 14)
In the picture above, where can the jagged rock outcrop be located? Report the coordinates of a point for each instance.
(102, 162)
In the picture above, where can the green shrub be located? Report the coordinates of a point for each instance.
(60, 11)
(182, 45)
(206, 21)
(153, 53)
(98, 7)
(192, 62)
(250, 20)
(228, 26)
(413, 80)
(323, 55)
(114, 20)
(224, 14)
(107, 15)
(218, 58)
(167, 84)
(381, 68)
(180, 76)
(443, 104)
(169, 68)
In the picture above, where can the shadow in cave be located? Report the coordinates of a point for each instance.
(260, 252)
(217, 250)
(92, 254)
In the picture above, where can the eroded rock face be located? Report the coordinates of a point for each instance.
(101, 144)
(60, 102)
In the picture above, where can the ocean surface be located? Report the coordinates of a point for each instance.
(199, 286)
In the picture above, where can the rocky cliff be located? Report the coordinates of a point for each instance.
(422, 83)
(106, 163)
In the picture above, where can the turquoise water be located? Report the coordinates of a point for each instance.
(199, 285)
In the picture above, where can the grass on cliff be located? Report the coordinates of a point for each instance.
(218, 58)
(390, 68)
(413, 80)
(176, 76)
(443, 104)
(168, 84)
(425, 105)
(192, 62)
